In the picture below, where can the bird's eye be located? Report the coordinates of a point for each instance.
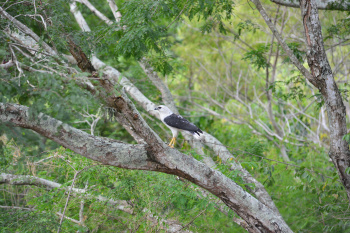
(159, 107)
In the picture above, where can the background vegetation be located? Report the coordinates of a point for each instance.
(224, 70)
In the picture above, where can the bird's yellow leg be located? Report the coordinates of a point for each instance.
(171, 142)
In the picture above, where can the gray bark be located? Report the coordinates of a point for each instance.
(7, 65)
(320, 4)
(103, 150)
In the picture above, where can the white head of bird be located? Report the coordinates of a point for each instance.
(163, 111)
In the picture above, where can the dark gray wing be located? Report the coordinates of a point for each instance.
(179, 122)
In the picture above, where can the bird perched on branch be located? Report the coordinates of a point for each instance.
(177, 123)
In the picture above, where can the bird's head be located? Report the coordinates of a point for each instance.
(163, 110)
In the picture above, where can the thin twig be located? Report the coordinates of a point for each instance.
(65, 207)
(69, 193)
(200, 213)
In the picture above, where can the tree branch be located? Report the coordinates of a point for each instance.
(7, 65)
(95, 11)
(103, 150)
(324, 81)
(321, 4)
(114, 9)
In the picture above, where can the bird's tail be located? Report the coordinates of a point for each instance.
(197, 134)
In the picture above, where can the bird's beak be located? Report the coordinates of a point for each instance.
(156, 109)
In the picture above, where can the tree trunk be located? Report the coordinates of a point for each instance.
(324, 81)
(321, 77)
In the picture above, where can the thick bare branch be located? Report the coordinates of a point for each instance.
(114, 9)
(103, 150)
(320, 4)
(324, 81)
(95, 11)
(7, 65)
(79, 17)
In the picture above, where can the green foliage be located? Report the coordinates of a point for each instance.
(43, 93)
(339, 30)
(146, 27)
(297, 86)
(257, 57)
(12, 221)
(347, 138)
(344, 91)
(306, 190)
(295, 47)
(246, 26)
(158, 193)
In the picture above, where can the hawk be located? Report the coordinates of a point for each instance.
(177, 123)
